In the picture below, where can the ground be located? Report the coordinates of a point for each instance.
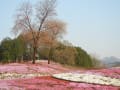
(45, 81)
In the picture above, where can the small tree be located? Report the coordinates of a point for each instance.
(32, 20)
(54, 30)
(6, 49)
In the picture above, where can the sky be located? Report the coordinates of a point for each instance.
(94, 25)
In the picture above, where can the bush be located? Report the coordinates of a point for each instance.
(83, 59)
(64, 55)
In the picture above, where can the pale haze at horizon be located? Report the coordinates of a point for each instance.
(94, 25)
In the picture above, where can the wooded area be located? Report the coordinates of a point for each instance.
(39, 36)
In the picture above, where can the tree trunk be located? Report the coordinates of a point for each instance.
(34, 54)
(50, 55)
(48, 61)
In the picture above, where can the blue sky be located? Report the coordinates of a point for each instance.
(93, 25)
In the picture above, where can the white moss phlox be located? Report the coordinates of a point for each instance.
(88, 78)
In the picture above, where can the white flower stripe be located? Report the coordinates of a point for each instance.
(10, 76)
(88, 78)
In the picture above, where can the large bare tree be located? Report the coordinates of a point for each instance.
(29, 19)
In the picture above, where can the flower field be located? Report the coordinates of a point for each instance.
(42, 76)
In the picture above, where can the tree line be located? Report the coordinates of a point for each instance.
(19, 50)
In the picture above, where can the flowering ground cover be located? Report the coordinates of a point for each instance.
(88, 78)
(27, 76)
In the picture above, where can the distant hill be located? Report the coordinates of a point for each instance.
(111, 61)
